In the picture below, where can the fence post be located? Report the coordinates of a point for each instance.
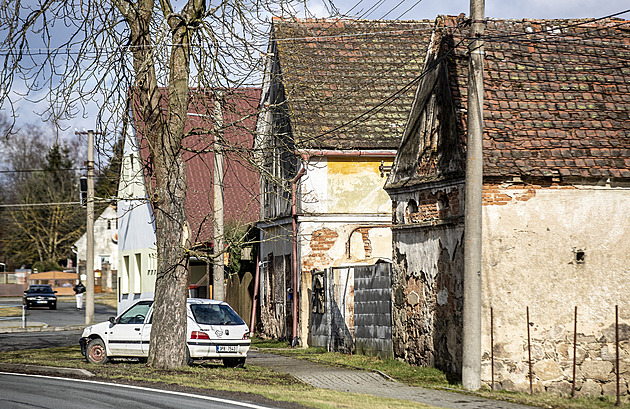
(529, 353)
(617, 350)
(492, 349)
(574, 351)
(23, 316)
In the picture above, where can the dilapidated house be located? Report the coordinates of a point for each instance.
(556, 194)
(335, 99)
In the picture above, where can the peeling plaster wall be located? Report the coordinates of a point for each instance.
(427, 277)
(351, 185)
(355, 186)
(324, 245)
(344, 218)
(531, 239)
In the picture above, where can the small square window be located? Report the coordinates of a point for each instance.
(580, 256)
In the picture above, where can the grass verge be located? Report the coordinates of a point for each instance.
(207, 376)
(431, 377)
(11, 312)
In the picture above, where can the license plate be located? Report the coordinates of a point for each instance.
(227, 348)
(42, 302)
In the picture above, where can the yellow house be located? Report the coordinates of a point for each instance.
(334, 106)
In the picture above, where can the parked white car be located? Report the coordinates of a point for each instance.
(214, 331)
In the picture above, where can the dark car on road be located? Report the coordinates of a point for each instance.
(40, 295)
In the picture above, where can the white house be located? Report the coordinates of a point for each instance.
(105, 245)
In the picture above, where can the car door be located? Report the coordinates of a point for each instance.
(146, 333)
(125, 336)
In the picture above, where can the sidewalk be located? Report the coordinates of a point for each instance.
(11, 326)
(371, 383)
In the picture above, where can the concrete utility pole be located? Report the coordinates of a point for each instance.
(471, 354)
(218, 277)
(89, 263)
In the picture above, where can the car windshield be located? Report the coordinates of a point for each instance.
(39, 290)
(215, 314)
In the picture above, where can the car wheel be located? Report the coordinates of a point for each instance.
(189, 360)
(96, 352)
(234, 362)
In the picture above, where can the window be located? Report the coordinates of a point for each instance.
(215, 314)
(136, 314)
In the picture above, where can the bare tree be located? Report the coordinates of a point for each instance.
(69, 54)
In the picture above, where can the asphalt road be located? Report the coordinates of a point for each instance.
(65, 314)
(18, 392)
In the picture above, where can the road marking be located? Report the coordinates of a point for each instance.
(189, 395)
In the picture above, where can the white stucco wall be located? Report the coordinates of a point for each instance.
(105, 240)
(136, 230)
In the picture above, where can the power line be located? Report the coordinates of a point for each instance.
(41, 170)
(39, 204)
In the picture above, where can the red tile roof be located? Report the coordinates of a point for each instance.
(337, 73)
(241, 204)
(556, 102)
(557, 96)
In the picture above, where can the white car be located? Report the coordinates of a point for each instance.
(214, 331)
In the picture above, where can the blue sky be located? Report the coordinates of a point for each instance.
(408, 10)
(518, 9)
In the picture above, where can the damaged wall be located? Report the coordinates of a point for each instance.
(427, 277)
(551, 247)
(546, 246)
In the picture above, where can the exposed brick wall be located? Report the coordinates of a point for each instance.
(431, 205)
(500, 194)
(322, 240)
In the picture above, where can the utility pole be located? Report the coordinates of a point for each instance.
(471, 352)
(89, 263)
(218, 271)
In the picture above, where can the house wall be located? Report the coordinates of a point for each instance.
(427, 276)
(105, 240)
(534, 238)
(275, 278)
(344, 217)
(137, 252)
(546, 247)
(339, 184)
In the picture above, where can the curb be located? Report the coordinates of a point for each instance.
(45, 369)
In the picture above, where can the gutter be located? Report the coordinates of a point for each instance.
(307, 153)
(294, 217)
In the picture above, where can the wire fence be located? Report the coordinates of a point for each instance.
(529, 324)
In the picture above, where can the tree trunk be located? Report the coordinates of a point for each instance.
(164, 136)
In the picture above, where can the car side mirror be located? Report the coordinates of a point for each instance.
(112, 320)
(55, 292)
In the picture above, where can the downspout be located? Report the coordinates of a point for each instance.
(294, 181)
(256, 285)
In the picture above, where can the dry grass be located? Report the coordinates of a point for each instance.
(11, 312)
(210, 375)
(433, 378)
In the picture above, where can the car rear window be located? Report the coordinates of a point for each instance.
(215, 314)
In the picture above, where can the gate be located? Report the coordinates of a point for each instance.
(351, 310)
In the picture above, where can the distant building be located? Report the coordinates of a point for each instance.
(105, 249)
